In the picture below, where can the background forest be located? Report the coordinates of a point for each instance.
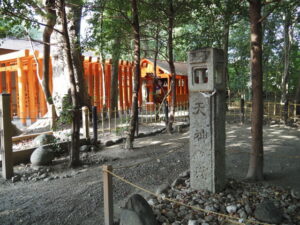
(106, 32)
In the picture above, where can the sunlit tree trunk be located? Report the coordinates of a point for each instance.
(48, 30)
(172, 66)
(285, 75)
(114, 75)
(255, 170)
(137, 74)
(74, 150)
(74, 28)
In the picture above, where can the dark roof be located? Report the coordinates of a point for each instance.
(19, 44)
(180, 67)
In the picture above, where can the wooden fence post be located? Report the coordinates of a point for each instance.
(107, 195)
(85, 122)
(6, 133)
(95, 125)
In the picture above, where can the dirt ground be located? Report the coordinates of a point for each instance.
(75, 196)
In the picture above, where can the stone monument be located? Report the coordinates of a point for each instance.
(207, 118)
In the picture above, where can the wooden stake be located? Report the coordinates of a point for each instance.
(5, 136)
(107, 195)
(85, 122)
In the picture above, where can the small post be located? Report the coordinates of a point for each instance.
(102, 120)
(107, 195)
(116, 125)
(5, 137)
(85, 122)
(52, 115)
(109, 117)
(242, 110)
(295, 112)
(95, 124)
(166, 112)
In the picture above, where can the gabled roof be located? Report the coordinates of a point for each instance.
(180, 67)
(19, 44)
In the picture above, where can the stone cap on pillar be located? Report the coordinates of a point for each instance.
(206, 71)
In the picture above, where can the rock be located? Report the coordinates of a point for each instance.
(193, 222)
(177, 182)
(185, 174)
(162, 188)
(291, 209)
(242, 214)
(109, 143)
(295, 194)
(208, 218)
(44, 139)
(171, 215)
(44, 175)
(152, 201)
(84, 148)
(129, 217)
(231, 208)
(15, 178)
(267, 212)
(41, 156)
(248, 209)
(137, 212)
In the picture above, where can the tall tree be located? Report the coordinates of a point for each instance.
(255, 170)
(74, 150)
(75, 15)
(48, 30)
(137, 75)
(171, 17)
(287, 50)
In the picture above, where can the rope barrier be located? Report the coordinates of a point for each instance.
(231, 219)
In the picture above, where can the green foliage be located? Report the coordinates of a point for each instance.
(66, 112)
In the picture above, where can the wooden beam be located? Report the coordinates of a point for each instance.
(96, 84)
(9, 68)
(32, 93)
(107, 83)
(125, 84)
(120, 78)
(14, 55)
(22, 91)
(130, 84)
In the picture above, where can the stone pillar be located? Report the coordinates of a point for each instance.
(207, 119)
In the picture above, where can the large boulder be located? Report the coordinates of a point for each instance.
(42, 156)
(267, 212)
(44, 139)
(137, 212)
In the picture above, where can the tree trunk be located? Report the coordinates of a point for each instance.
(285, 75)
(225, 49)
(51, 21)
(172, 66)
(255, 170)
(114, 78)
(74, 151)
(137, 74)
(74, 29)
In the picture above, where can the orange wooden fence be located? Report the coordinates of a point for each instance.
(18, 76)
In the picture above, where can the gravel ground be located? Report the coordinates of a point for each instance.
(65, 196)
